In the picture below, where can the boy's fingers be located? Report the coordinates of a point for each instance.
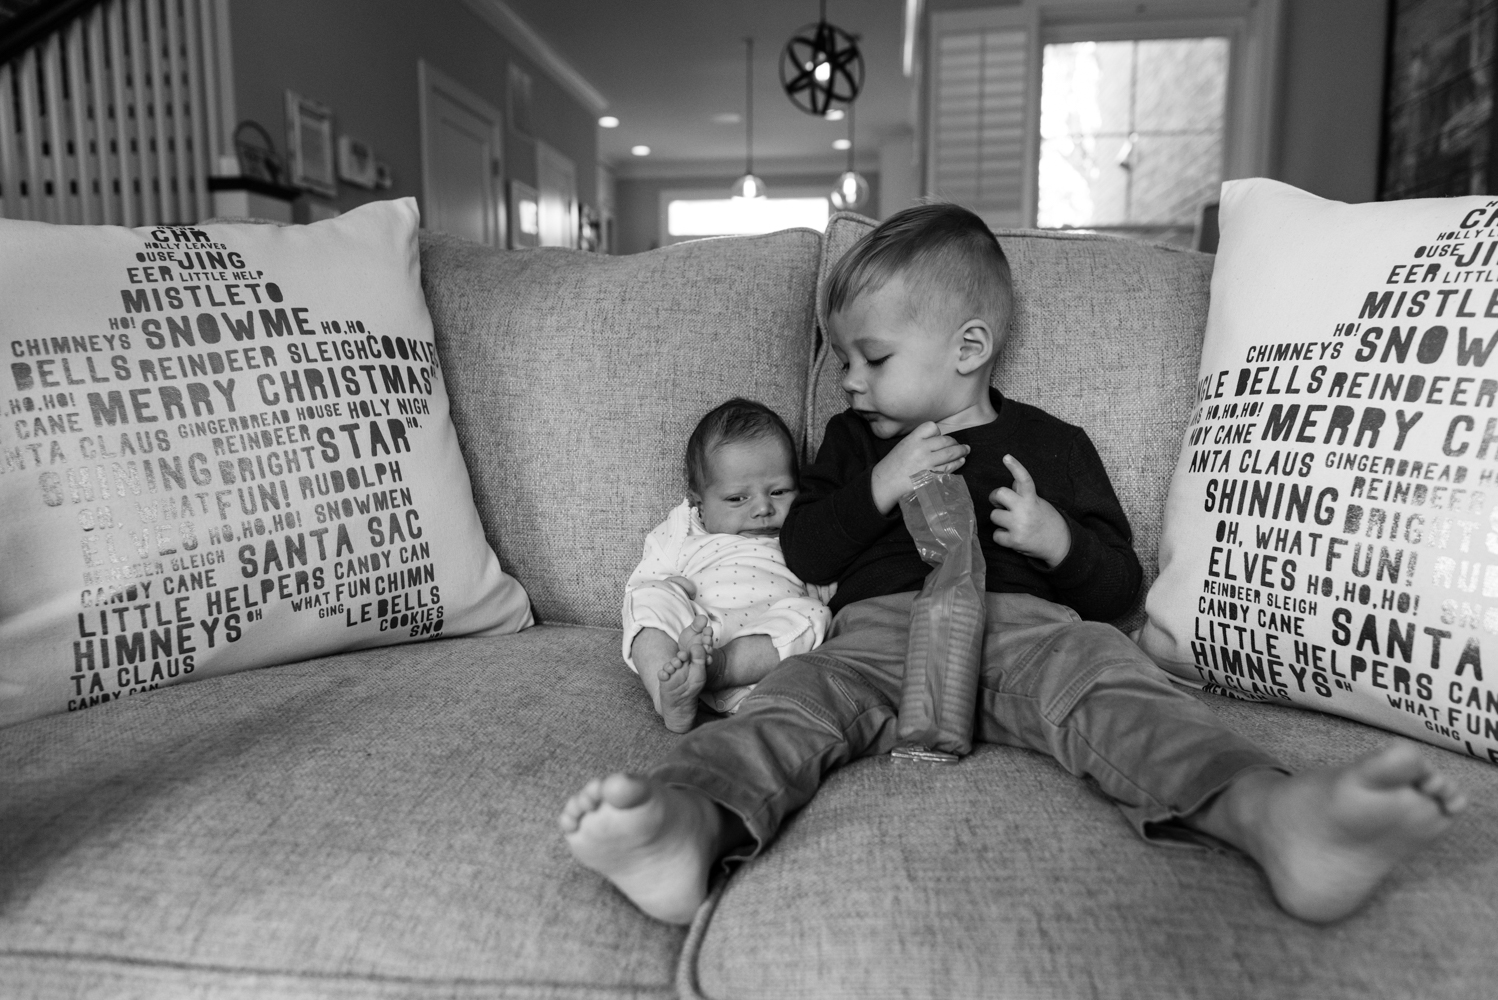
(1003, 498)
(1023, 484)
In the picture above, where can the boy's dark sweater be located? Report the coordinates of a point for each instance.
(834, 532)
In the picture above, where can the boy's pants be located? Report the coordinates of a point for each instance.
(1079, 691)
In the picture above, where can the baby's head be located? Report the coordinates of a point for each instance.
(917, 311)
(741, 469)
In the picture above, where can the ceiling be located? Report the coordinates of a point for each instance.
(667, 67)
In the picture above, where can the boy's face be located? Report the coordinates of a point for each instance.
(900, 366)
(749, 487)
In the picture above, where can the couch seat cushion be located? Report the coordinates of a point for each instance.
(1005, 877)
(373, 824)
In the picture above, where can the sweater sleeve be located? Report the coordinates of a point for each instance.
(1100, 576)
(834, 518)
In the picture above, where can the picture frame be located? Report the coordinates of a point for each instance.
(1440, 128)
(519, 97)
(356, 163)
(309, 145)
(525, 215)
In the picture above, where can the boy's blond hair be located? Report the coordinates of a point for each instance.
(949, 251)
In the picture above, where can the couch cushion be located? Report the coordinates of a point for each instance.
(1005, 877)
(576, 378)
(1106, 335)
(373, 824)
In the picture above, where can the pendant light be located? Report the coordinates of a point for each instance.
(748, 186)
(821, 66)
(851, 191)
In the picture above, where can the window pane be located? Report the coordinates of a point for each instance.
(744, 216)
(1131, 133)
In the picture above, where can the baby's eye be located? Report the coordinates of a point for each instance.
(736, 498)
(876, 362)
(780, 493)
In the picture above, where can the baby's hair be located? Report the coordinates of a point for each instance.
(948, 249)
(738, 419)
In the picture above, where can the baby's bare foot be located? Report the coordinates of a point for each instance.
(683, 678)
(656, 843)
(1327, 838)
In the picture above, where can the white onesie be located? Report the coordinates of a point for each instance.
(743, 588)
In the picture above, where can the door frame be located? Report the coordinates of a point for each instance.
(431, 80)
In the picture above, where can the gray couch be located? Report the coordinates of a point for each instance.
(383, 824)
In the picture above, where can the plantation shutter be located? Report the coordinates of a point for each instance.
(984, 96)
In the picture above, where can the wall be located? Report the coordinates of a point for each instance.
(637, 200)
(359, 58)
(1332, 97)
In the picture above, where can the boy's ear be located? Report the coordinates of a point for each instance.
(976, 347)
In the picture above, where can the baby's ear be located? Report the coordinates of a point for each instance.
(977, 346)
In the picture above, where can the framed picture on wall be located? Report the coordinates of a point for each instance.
(309, 145)
(1440, 128)
(519, 94)
(525, 216)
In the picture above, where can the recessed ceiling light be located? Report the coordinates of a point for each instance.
(728, 118)
(608, 121)
(840, 144)
(835, 114)
(640, 150)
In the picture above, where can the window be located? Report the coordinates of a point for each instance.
(1131, 135)
(694, 214)
(1095, 114)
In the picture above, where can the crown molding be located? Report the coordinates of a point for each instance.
(512, 26)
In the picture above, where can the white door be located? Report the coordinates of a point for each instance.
(460, 160)
(556, 179)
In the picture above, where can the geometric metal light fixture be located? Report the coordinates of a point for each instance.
(821, 66)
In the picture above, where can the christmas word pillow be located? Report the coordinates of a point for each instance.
(223, 447)
(1331, 533)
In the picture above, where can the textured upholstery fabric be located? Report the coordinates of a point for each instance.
(576, 378)
(1106, 335)
(1004, 878)
(378, 824)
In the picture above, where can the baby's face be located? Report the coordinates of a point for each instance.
(749, 488)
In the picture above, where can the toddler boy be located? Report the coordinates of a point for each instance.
(917, 312)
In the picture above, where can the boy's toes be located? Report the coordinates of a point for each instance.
(587, 799)
(1444, 791)
(1396, 765)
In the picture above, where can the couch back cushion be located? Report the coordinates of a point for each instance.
(1106, 335)
(575, 379)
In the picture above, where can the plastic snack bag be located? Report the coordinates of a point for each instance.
(939, 697)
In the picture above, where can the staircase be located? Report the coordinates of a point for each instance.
(112, 111)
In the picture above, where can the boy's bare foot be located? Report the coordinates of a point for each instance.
(1327, 838)
(656, 843)
(682, 679)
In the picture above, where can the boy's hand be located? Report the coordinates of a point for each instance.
(1026, 523)
(924, 448)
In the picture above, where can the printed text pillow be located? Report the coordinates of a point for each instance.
(223, 447)
(1331, 533)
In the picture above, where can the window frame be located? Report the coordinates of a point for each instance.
(1253, 28)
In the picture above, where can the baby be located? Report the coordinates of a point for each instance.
(712, 608)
